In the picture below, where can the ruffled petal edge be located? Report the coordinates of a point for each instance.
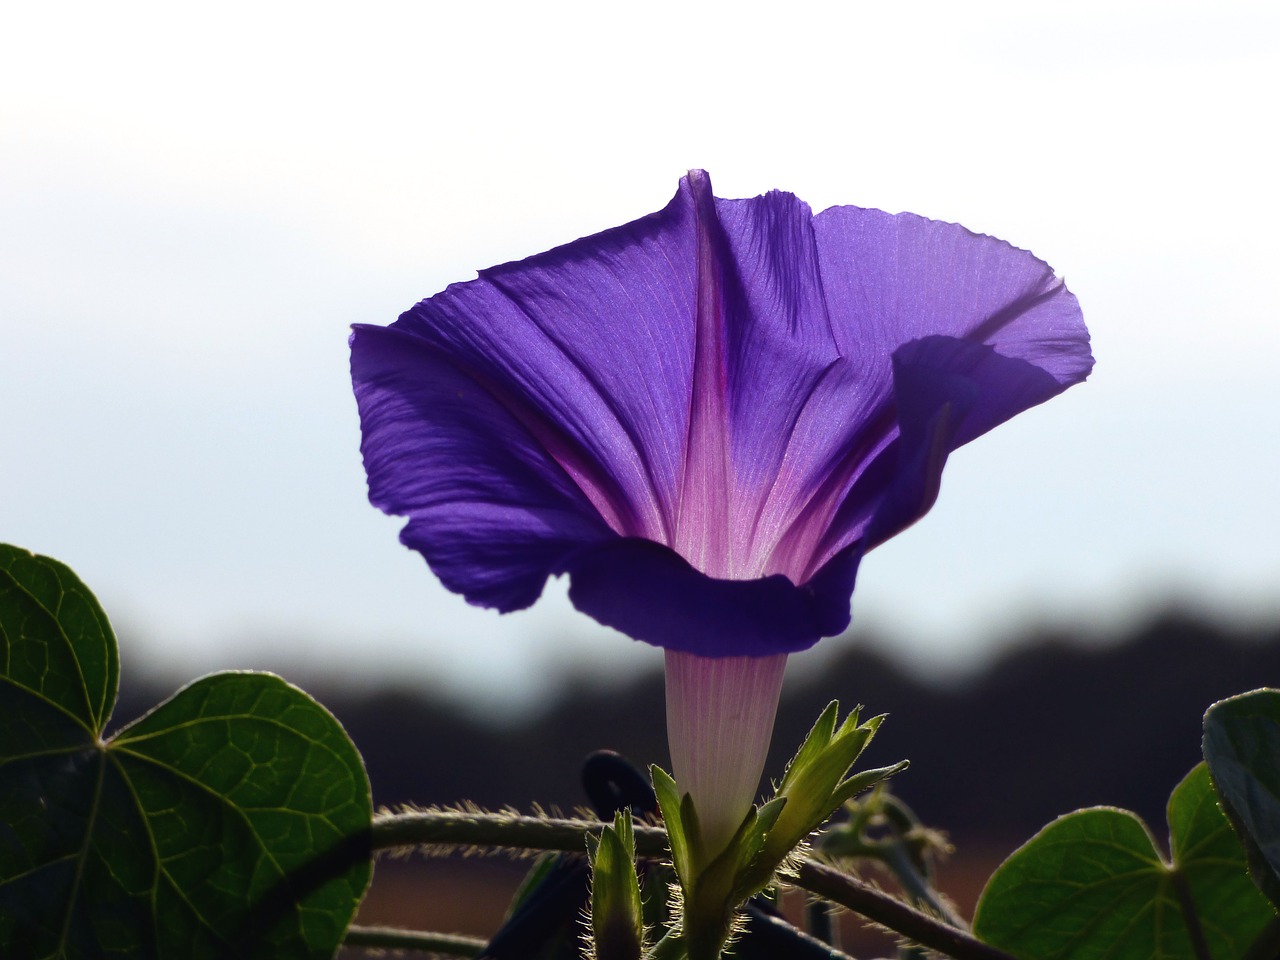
(651, 593)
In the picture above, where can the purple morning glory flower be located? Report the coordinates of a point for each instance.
(704, 418)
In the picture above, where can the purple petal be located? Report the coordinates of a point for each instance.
(889, 281)
(537, 409)
(702, 533)
(764, 340)
(847, 421)
(490, 510)
(947, 392)
(591, 342)
(651, 593)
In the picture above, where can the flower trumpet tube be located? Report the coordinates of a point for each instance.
(720, 714)
(704, 418)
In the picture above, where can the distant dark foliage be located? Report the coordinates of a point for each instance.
(1049, 728)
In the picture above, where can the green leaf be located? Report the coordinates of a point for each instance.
(1242, 748)
(55, 642)
(231, 821)
(1092, 884)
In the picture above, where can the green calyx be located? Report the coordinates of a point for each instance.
(816, 783)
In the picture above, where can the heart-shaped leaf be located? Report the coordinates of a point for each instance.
(231, 821)
(1092, 884)
(1242, 748)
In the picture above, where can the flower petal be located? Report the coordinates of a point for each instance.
(890, 280)
(490, 510)
(772, 342)
(948, 391)
(651, 593)
(592, 343)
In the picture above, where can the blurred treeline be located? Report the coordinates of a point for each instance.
(1053, 725)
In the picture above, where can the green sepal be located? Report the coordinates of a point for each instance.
(669, 802)
(692, 831)
(767, 815)
(617, 921)
(813, 787)
(743, 850)
(716, 889)
(851, 721)
(749, 878)
(865, 780)
(815, 780)
(814, 743)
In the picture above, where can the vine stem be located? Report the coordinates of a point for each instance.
(896, 857)
(454, 828)
(866, 900)
(464, 828)
(393, 938)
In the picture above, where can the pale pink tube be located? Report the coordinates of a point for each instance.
(720, 713)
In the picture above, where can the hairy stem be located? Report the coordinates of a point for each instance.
(512, 831)
(391, 938)
(505, 830)
(866, 900)
(897, 858)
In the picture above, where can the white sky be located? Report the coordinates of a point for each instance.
(196, 202)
